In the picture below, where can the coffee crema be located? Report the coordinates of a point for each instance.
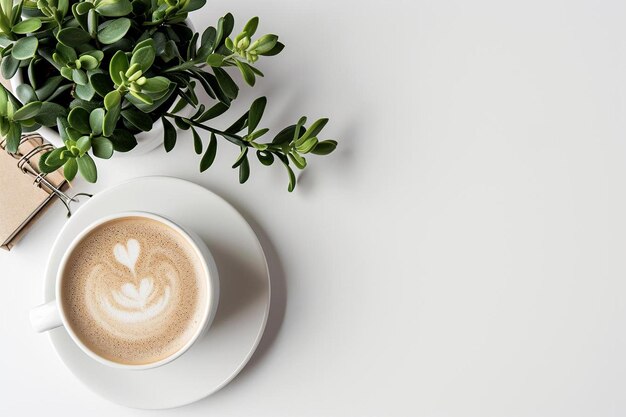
(134, 291)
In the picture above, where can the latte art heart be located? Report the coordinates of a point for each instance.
(133, 288)
(128, 255)
(135, 302)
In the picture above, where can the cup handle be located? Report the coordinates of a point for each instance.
(45, 317)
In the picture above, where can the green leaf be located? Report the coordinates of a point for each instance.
(228, 25)
(63, 7)
(25, 48)
(264, 44)
(9, 66)
(70, 168)
(194, 5)
(265, 157)
(123, 140)
(192, 47)
(27, 26)
(256, 113)
(102, 83)
(83, 144)
(226, 83)
(114, 31)
(156, 85)
(87, 168)
(206, 43)
(312, 131)
(251, 26)
(62, 126)
(217, 109)
(112, 99)
(148, 108)
(307, 145)
(325, 147)
(143, 43)
(244, 170)
(182, 123)
(73, 36)
(292, 176)
(239, 125)
(85, 92)
(96, 120)
(298, 160)
(5, 125)
(229, 44)
(197, 141)
(275, 50)
(92, 23)
(27, 111)
(215, 60)
(73, 134)
(81, 18)
(138, 119)
(169, 134)
(246, 73)
(68, 54)
(102, 147)
(7, 8)
(110, 120)
(209, 155)
(142, 97)
(49, 112)
(79, 77)
(53, 160)
(83, 8)
(241, 157)
(255, 135)
(159, 42)
(220, 36)
(66, 72)
(78, 118)
(13, 137)
(88, 62)
(200, 110)
(285, 135)
(181, 104)
(4, 100)
(42, 163)
(119, 64)
(26, 93)
(170, 52)
(114, 8)
(144, 57)
(298, 129)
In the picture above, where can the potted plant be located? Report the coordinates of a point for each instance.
(97, 74)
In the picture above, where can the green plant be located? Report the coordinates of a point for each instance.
(102, 71)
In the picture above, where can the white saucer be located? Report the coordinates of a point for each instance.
(244, 299)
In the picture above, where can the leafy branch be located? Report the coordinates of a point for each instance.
(102, 71)
(290, 144)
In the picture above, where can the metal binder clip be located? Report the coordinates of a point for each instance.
(40, 177)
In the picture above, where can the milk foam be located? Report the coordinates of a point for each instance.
(133, 289)
(132, 304)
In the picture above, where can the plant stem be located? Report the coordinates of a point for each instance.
(183, 66)
(236, 139)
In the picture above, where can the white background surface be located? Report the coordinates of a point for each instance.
(460, 254)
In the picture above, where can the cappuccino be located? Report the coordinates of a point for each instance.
(134, 291)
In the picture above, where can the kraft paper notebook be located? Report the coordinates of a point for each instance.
(24, 192)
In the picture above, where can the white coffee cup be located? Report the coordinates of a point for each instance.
(52, 315)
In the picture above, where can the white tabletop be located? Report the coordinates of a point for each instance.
(458, 256)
